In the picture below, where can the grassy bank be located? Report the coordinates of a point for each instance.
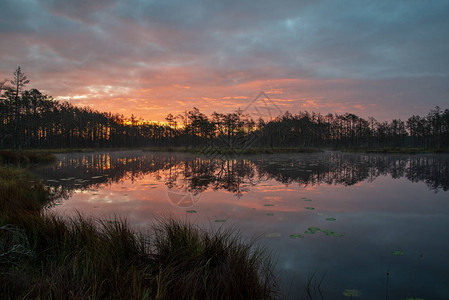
(396, 150)
(45, 256)
(40, 155)
(26, 157)
(210, 151)
(249, 151)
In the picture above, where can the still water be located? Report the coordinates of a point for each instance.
(337, 223)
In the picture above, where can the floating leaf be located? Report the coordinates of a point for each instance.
(331, 233)
(275, 234)
(399, 253)
(296, 236)
(268, 205)
(192, 211)
(330, 219)
(270, 214)
(312, 230)
(307, 199)
(351, 293)
(220, 220)
(303, 198)
(311, 208)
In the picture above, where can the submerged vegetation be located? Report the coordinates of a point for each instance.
(48, 257)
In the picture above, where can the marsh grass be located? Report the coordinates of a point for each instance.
(44, 256)
(26, 157)
(396, 150)
(255, 150)
(210, 264)
(20, 192)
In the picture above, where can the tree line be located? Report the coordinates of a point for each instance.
(31, 119)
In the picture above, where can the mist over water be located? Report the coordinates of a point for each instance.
(337, 222)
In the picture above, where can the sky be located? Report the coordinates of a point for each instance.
(385, 59)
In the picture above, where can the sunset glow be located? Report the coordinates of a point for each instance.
(384, 59)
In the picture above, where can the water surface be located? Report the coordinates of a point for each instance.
(336, 222)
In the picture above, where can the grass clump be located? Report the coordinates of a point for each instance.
(20, 192)
(86, 258)
(44, 256)
(194, 263)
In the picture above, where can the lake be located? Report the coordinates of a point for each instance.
(337, 223)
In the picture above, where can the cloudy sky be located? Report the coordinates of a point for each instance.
(386, 59)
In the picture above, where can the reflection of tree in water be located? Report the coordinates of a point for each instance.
(436, 177)
(196, 174)
(349, 169)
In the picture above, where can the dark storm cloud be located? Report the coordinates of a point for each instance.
(92, 47)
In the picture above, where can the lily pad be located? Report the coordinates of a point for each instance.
(220, 221)
(351, 293)
(275, 234)
(192, 211)
(296, 236)
(330, 219)
(331, 233)
(307, 199)
(312, 230)
(311, 208)
(397, 252)
(268, 205)
(270, 214)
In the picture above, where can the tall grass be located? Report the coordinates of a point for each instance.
(201, 264)
(20, 192)
(44, 256)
